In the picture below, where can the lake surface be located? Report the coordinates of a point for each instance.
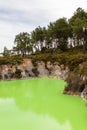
(38, 104)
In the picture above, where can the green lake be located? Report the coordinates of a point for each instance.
(38, 104)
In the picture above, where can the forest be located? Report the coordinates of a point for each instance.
(62, 35)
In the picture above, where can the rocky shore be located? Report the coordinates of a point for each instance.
(39, 69)
(76, 83)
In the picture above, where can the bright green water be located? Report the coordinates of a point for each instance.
(38, 104)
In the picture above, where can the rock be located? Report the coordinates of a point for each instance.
(27, 69)
(23, 74)
(75, 84)
(62, 67)
(49, 65)
(4, 72)
(43, 72)
(56, 71)
(84, 93)
(60, 72)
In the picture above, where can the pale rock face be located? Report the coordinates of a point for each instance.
(23, 74)
(43, 72)
(62, 67)
(13, 69)
(56, 71)
(49, 65)
(4, 71)
(60, 72)
(27, 62)
(48, 70)
(20, 67)
(27, 67)
(65, 73)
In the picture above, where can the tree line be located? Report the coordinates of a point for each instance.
(61, 34)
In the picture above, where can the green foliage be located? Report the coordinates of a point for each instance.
(11, 60)
(56, 32)
(62, 29)
(63, 44)
(74, 60)
(77, 22)
(38, 35)
(82, 68)
(55, 35)
(6, 52)
(70, 58)
(23, 43)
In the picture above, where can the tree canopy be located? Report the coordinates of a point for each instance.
(55, 35)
